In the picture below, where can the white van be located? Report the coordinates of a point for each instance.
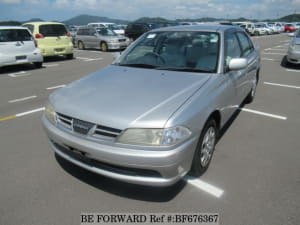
(17, 46)
(112, 26)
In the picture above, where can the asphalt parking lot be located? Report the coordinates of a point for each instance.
(254, 177)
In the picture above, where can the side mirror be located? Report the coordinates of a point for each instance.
(238, 64)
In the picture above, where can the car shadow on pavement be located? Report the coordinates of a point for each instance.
(230, 121)
(285, 64)
(122, 189)
(17, 68)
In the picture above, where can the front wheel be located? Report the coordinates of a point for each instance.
(205, 148)
(103, 47)
(38, 64)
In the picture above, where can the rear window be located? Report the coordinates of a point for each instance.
(10, 35)
(53, 30)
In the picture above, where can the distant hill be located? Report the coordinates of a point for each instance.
(85, 19)
(290, 18)
(34, 20)
(10, 23)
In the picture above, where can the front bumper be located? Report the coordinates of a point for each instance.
(293, 56)
(118, 45)
(138, 166)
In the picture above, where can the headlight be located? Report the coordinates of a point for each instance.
(292, 46)
(155, 137)
(113, 41)
(49, 112)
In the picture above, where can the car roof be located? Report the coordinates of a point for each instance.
(12, 27)
(213, 27)
(43, 23)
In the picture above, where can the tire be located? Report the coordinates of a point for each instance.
(284, 62)
(256, 33)
(205, 148)
(70, 56)
(103, 47)
(38, 64)
(250, 97)
(80, 45)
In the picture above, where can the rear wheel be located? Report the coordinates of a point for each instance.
(205, 148)
(103, 47)
(250, 97)
(80, 45)
(38, 64)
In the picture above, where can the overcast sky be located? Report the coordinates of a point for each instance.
(134, 9)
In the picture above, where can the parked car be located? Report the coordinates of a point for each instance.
(100, 38)
(134, 30)
(112, 26)
(155, 113)
(289, 27)
(17, 46)
(293, 54)
(53, 38)
(260, 29)
(248, 26)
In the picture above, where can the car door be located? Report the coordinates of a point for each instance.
(248, 51)
(237, 77)
(93, 38)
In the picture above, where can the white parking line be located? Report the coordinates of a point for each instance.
(84, 58)
(22, 99)
(88, 59)
(51, 65)
(291, 70)
(282, 85)
(29, 112)
(268, 59)
(215, 191)
(273, 53)
(264, 114)
(54, 87)
(277, 50)
(19, 74)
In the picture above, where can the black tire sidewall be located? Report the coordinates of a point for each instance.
(197, 169)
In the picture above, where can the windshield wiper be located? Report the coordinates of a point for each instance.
(141, 65)
(185, 69)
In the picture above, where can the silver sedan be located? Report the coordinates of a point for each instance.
(155, 113)
(293, 54)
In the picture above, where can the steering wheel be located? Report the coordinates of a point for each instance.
(160, 60)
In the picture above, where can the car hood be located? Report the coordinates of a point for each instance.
(122, 97)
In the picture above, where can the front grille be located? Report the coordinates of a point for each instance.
(84, 158)
(87, 128)
(122, 40)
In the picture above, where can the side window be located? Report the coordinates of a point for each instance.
(91, 32)
(233, 49)
(245, 43)
(85, 32)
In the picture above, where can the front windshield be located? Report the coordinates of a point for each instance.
(113, 27)
(106, 32)
(174, 50)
